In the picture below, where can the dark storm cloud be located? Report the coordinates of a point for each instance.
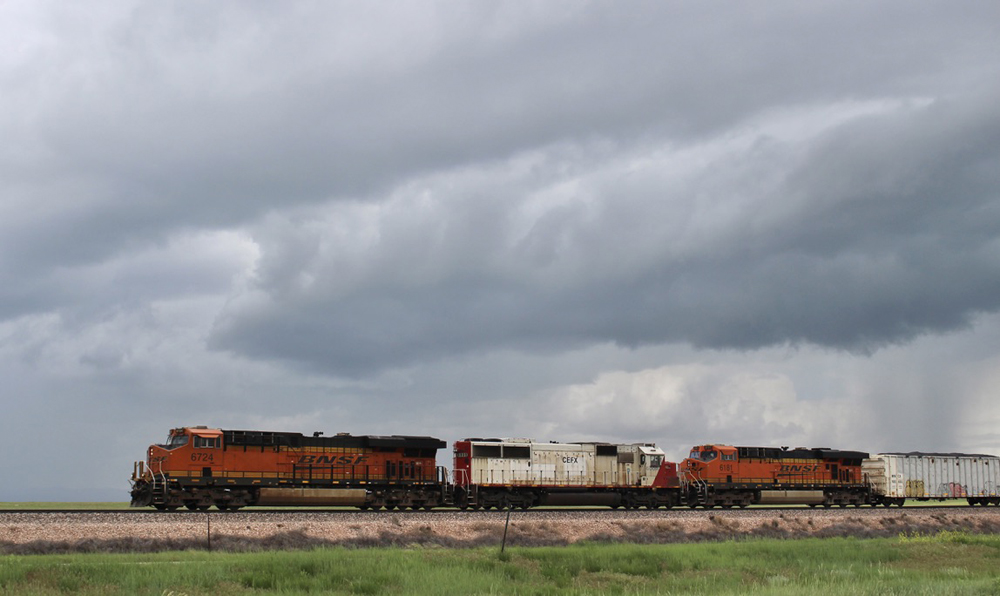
(131, 123)
(127, 125)
(874, 232)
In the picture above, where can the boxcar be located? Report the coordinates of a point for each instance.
(896, 477)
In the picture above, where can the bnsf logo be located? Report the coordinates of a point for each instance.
(343, 460)
(799, 468)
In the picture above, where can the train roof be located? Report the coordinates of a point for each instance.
(800, 453)
(290, 439)
(936, 454)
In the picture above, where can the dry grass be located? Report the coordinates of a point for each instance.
(255, 532)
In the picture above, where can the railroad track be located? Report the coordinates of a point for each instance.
(494, 512)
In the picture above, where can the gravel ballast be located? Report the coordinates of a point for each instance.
(27, 533)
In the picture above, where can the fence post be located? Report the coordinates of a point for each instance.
(503, 544)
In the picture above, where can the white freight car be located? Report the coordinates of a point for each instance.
(525, 473)
(895, 477)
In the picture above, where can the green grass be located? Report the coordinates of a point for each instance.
(945, 563)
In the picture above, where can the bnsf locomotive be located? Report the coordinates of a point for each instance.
(199, 467)
(727, 476)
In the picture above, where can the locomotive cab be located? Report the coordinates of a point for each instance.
(193, 451)
(712, 462)
(650, 460)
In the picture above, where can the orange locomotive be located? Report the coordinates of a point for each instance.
(199, 467)
(727, 476)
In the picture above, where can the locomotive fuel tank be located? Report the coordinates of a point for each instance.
(315, 497)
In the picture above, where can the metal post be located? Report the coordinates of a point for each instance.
(503, 544)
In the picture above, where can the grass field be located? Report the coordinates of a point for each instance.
(946, 563)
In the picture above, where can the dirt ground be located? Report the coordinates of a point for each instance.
(27, 533)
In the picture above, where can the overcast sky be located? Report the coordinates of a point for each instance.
(767, 223)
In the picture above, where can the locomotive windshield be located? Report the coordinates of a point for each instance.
(705, 456)
(175, 441)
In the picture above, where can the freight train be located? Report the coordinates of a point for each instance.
(200, 467)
